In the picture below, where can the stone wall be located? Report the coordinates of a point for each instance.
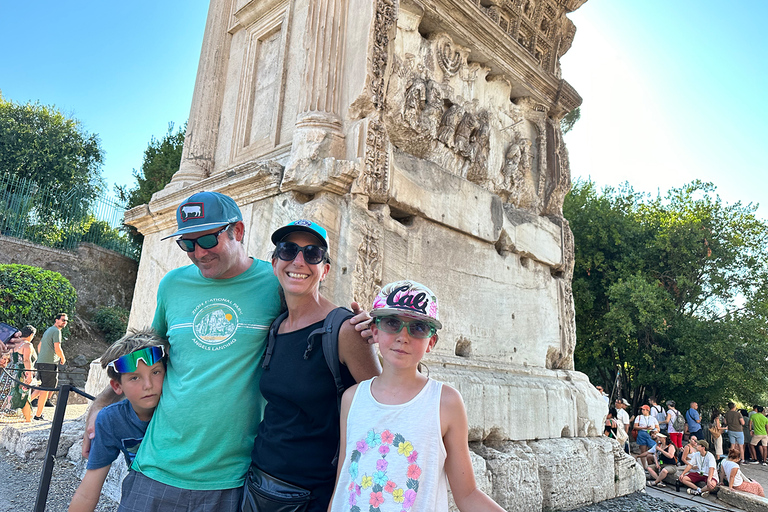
(100, 276)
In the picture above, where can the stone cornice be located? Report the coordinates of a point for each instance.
(471, 27)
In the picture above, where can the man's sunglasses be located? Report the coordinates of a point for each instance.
(129, 362)
(313, 254)
(416, 328)
(208, 241)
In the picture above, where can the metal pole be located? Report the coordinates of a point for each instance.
(53, 446)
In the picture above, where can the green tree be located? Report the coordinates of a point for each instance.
(569, 120)
(161, 161)
(670, 293)
(39, 142)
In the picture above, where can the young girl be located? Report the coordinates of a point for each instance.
(403, 433)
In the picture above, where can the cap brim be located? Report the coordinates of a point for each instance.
(284, 231)
(407, 314)
(197, 229)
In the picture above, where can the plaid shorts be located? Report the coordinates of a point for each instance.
(142, 494)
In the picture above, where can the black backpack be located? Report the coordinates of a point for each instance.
(329, 335)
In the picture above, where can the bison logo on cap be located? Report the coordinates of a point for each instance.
(191, 211)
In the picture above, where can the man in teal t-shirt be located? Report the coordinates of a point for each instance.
(759, 435)
(215, 314)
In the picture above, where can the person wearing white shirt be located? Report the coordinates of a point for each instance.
(702, 467)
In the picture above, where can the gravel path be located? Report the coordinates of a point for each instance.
(638, 502)
(19, 482)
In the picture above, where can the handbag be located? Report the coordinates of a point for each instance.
(265, 493)
(715, 431)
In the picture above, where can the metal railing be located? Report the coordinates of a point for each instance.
(55, 435)
(62, 219)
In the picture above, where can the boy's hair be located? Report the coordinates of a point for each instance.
(28, 330)
(132, 341)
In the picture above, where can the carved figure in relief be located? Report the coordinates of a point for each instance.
(448, 124)
(479, 147)
(464, 130)
(433, 110)
(415, 101)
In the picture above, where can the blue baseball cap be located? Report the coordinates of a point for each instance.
(306, 226)
(204, 211)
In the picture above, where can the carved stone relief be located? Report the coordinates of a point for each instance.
(368, 267)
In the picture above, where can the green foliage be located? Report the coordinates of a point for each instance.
(161, 161)
(671, 293)
(569, 120)
(42, 144)
(113, 322)
(31, 295)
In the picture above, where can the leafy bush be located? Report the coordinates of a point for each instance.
(32, 295)
(113, 322)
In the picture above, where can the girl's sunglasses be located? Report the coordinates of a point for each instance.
(129, 362)
(416, 328)
(313, 254)
(208, 241)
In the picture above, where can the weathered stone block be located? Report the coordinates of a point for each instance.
(743, 500)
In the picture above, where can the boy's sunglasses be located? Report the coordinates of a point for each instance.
(416, 328)
(129, 362)
(313, 254)
(208, 241)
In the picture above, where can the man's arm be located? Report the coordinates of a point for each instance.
(87, 495)
(59, 352)
(105, 398)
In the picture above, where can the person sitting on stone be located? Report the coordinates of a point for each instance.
(731, 473)
(690, 449)
(645, 425)
(702, 468)
(664, 461)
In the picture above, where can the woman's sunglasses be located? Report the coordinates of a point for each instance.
(416, 328)
(129, 362)
(313, 254)
(208, 241)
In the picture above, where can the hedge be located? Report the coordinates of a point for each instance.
(32, 295)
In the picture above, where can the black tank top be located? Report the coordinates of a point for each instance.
(299, 435)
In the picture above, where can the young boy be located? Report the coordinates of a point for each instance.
(136, 367)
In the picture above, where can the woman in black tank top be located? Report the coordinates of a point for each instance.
(298, 438)
(665, 461)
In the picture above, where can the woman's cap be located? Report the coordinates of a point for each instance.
(671, 403)
(646, 407)
(204, 211)
(306, 226)
(409, 299)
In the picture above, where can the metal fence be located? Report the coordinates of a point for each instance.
(62, 219)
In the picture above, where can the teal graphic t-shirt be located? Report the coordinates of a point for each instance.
(202, 432)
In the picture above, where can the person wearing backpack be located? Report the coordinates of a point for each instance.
(659, 413)
(675, 424)
(296, 447)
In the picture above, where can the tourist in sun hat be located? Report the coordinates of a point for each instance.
(298, 438)
(216, 314)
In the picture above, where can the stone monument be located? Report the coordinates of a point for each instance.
(425, 136)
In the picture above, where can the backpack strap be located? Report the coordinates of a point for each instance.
(330, 342)
(271, 339)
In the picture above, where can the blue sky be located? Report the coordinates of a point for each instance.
(673, 90)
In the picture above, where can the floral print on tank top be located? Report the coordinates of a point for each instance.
(381, 487)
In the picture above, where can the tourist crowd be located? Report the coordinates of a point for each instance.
(670, 442)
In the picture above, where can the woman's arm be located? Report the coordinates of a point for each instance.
(26, 353)
(458, 464)
(357, 354)
(346, 403)
(732, 477)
